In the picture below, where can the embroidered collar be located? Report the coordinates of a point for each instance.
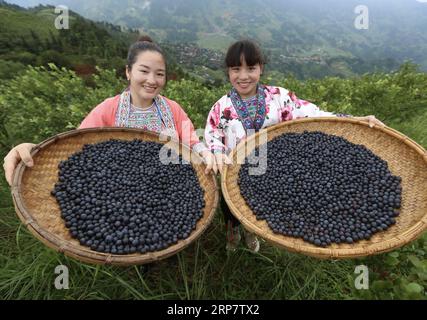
(243, 112)
(161, 106)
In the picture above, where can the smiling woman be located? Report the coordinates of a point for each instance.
(146, 72)
(140, 105)
(249, 107)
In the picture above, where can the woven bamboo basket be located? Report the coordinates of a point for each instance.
(405, 158)
(39, 211)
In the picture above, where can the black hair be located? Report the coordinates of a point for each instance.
(144, 43)
(246, 48)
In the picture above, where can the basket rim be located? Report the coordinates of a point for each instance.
(83, 253)
(298, 245)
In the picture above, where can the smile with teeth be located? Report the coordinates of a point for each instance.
(244, 84)
(149, 88)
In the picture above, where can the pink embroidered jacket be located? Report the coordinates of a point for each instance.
(104, 115)
(224, 129)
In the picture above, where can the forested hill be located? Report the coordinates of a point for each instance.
(29, 37)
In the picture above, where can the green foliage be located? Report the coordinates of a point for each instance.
(196, 99)
(10, 69)
(399, 99)
(401, 274)
(45, 101)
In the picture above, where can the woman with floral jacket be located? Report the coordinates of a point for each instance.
(247, 108)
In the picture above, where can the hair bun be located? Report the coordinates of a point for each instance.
(145, 38)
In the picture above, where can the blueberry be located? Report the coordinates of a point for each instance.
(106, 190)
(317, 185)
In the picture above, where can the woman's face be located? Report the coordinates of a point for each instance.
(147, 78)
(244, 78)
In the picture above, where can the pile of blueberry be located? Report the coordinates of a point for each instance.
(118, 197)
(322, 188)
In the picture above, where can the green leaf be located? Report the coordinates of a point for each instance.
(391, 261)
(415, 261)
(380, 285)
(414, 287)
(422, 275)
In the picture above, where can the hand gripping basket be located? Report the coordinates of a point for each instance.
(405, 158)
(39, 211)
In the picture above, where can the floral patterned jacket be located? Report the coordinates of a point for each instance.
(224, 129)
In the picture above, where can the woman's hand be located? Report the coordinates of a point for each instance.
(209, 159)
(371, 120)
(20, 152)
(221, 160)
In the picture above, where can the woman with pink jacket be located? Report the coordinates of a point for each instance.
(139, 106)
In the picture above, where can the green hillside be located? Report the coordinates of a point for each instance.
(29, 37)
(22, 23)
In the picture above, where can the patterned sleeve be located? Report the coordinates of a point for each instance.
(214, 133)
(295, 108)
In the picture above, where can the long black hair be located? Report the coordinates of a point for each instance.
(144, 43)
(246, 48)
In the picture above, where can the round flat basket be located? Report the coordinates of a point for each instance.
(405, 158)
(40, 212)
